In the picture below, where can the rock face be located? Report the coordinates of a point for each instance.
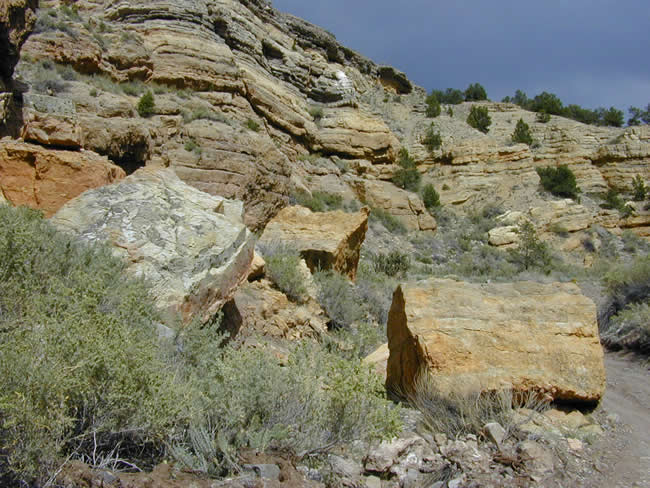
(50, 121)
(46, 179)
(192, 247)
(528, 336)
(326, 240)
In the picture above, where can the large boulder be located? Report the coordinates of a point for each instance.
(326, 240)
(50, 121)
(192, 247)
(526, 336)
(46, 179)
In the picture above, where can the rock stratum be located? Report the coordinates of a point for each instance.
(527, 336)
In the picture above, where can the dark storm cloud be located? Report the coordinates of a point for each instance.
(590, 52)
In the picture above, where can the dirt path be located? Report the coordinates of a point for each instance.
(624, 460)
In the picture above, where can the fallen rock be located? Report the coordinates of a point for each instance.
(50, 121)
(495, 432)
(46, 179)
(326, 240)
(257, 268)
(381, 458)
(192, 247)
(527, 336)
(502, 236)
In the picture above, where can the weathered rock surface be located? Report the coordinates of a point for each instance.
(528, 336)
(17, 18)
(192, 247)
(50, 121)
(46, 179)
(326, 240)
(406, 206)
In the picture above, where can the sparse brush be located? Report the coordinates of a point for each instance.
(283, 269)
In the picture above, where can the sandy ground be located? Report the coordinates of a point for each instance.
(624, 454)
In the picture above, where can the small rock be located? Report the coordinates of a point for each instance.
(456, 482)
(380, 459)
(575, 444)
(495, 432)
(345, 468)
(372, 482)
(539, 459)
(264, 471)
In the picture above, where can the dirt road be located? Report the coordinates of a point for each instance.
(624, 456)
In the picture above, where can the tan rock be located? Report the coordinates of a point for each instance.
(266, 311)
(192, 247)
(46, 179)
(502, 236)
(378, 359)
(327, 240)
(526, 336)
(406, 206)
(50, 121)
(257, 267)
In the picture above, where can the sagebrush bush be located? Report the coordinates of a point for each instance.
(81, 373)
(626, 286)
(639, 189)
(313, 402)
(319, 201)
(146, 104)
(560, 181)
(391, 264)
(479, 119)
(338, 298)
(432, 139)
(391, 223)
(375, 290)
(407, 176)
(283, 269)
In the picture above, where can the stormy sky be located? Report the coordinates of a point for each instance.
(589, 52)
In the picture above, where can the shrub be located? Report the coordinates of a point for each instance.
(466, 411)
(450, 96)
(252, 125)
(375, 291)
(337, 297)
(479, 119)
(522, 133)
(548, 103)
(630, 328)
(192, 146)
(391, 223)
(559, 181)
(316, 113)
(475, 92)
(640, 190)
(320, 201)
(432, 139)
(133, 88)
(146, 105)
(49, 86)
(433, 106)
(626, 286)
(612, 117)
(391, 264)
(543, 117)
(430, 197)
(407, 177)
(283, 269)
(450, 111)
(638, 116)
(81, 373)
(531, 252)
(312, 403)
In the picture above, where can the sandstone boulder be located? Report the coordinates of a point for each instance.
(526, 336)
(50, 121)
(326, 240)
(46, 179)
(192, 247)
(406, 206)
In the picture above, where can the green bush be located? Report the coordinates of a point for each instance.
(320, 201)
(628, 287)
(522, 133)
(450, 96)
(146, 104)
(312, 403)
(639, 116)
(479, 119)
(391, 264)
(391, 223)
(337, 297)
(639, 188)
(282, 268)
(548, 103)
(316, 113)
(407, 176)
(531, 252)
(433, 106)
(543, 117)
(430, 197)
(81, 373)
(432, 139)
(559, 181)
(252, 125)
(192, 146)
(475, 92)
